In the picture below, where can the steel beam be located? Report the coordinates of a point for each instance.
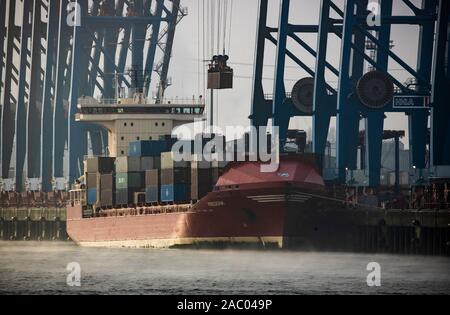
(77, 137)
(280, 110)
(9, 105)
(151, 54)
(49, 96)
(62, 90)
(95, 61)
(108, 59)
(2, 42)
(171, 27)
(137, 54)
(112, 21)
(260, 109)
(347, 111)
(375, 119)
(110, 44)
(34, 112)
(418, 119)
(23, 96)
(324, 105)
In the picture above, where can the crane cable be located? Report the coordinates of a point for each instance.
(219, 14)
(198, 50)
(219, 21)
(231, 25)
(225, 24)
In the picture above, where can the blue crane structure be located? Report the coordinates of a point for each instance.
(52, 52)
(363, 79)
(60, 50)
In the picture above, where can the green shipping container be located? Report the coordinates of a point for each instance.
(129, 180)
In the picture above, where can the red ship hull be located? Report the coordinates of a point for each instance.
(285, 209)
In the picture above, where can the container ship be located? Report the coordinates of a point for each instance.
(143, 198)
(245, 207)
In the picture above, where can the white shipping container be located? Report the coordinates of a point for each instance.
(128, 164)
(167, 162)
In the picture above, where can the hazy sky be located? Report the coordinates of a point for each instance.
(234, 105)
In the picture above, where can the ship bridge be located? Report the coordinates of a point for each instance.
(137, 118)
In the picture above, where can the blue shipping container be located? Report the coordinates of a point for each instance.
(175, 193)
(91, 196)
(147, 148)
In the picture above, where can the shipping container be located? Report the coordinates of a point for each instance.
(175, 176)
(201, 164)
(152, 178)
(127, 164)
(175, 193)
(152, 194)
(107, 198)
(200, 175)
(149, 148)
(200, 191)
(205, 140)
(92, 196)
(129, 180)
(157, 162)
(169, 139)
(183, 146)
(107, 181)
(219, 80)
(147, 163)
(91, 180)
(125, 197)
(167, 162)
(99, 165)
(201, 182)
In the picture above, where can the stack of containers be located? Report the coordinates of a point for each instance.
(169, 140)
(129, 179)
(95, 167)
(201, 179)
(175, 179)
(219, 142)
(152, 186)
(92, 185)
(107, 195)
(148, 152)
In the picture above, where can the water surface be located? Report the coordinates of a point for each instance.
(40, 268)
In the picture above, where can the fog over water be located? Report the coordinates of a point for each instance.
(40, 268)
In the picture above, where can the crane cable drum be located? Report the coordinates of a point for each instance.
(220, 75)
